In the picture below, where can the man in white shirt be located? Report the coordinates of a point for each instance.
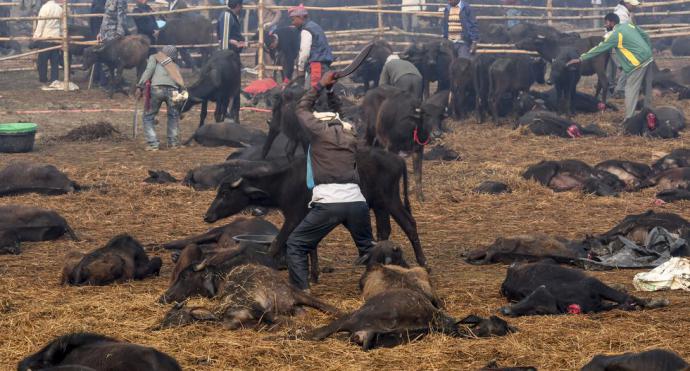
(624, 10)
(314, 51)
(48, 29)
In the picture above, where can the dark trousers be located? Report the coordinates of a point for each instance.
(320, 221)
(52, 56)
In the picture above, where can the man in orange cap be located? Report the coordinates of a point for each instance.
(314, 50)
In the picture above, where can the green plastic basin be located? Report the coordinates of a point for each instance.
(18, 128)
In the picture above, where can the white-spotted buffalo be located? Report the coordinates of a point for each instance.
(121, 259)
(219, 81)
(569, 175)
(547, 288)
(633, 174)
(397, 315)
(635, 227)
(86, 351)
(23, 223)
(669, 179)
(679, 157)
(246, 295)
(395, 120)
(655, 359)
(25, 177)
(285, 188)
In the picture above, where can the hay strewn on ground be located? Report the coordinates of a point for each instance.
(34, 308)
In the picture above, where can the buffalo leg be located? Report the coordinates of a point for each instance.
(204, 112)
(407, 223)
(602, 85)
(383, 224)
(291, 149)
(417, 158)
(272, 134)
(540, 301)
(302, 298)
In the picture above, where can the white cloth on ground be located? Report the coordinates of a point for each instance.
(672, 275)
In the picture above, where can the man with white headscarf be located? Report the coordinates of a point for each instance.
(402, 74)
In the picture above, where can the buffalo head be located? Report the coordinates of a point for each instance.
(195, 280)
(232, 197)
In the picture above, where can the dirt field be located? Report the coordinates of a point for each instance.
(34, 308)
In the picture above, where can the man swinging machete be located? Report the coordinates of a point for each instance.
(331, 175)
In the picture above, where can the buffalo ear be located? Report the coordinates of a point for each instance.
(202, 314)
(255, 193)
(471, 320)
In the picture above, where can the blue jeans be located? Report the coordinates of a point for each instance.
(160, 94)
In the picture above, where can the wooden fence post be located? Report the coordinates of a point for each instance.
(549, 11)
(65, 44)
(379, 16)
(260, 48)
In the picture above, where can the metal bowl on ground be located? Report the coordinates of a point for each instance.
(263, 239)
(17, 137)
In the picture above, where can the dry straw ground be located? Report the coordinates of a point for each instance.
(34, 308)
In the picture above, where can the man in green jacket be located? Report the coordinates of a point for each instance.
(634, 53)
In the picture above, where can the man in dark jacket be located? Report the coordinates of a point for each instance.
(332, 176)
(230, 27)
(314, 50)
(460, 27)
(146, 25)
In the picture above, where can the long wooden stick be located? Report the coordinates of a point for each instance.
(260, 50)
(65, 44)
(16, 56)
(48, 39)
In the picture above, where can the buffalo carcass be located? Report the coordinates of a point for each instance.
(192, 29)
(219, 81)
(121, 259)
(9, 243)
(631, 173)
(283, 48)
(636, 227)
(394, 119)
(387, 269)
(397, 315)
(528, 248)
(655, 359)
(678, 178)
(568, 175)
(276, 153)
(370, 71)
(284, 188)
(510, 76)
(230, 135)
(247, 295)
(582, 102)
(25, 177)
(77, 351)
(660, 122)
(433, 60)
(24, 223)
(679, 157)
(550, 46)
(547, 288)
(541, 122)
(254, 226)
(124, 53)
(491, 187)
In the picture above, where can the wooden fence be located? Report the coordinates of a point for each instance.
(380, 9)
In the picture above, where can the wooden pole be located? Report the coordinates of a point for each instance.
(549, 11)
(260, 49)
(17, 56)
(65, 44)
(379, 16)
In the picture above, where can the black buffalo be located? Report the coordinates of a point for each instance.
(635, 227)
(121, 259)
(433, 60)
(79, 351)
(124, 53)
(284, 188)
(191, 29)
(542, 122)
(660, 122)
(370, 71)
(219, 81)
(547, 288)
(631, 173)
(679, 157)
(24, 223)
(510, 76)
(567, 175)
(655, 359)
(230, 135)
(25, 177)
